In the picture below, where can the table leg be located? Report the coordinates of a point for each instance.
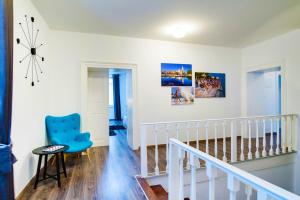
(38, 172)
(63, 163)
(45, 166)
(57, 169)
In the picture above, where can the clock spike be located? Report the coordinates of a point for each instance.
(25, 34)
(28, 31)
(28, 66)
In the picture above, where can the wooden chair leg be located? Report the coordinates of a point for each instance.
(88, 155)
(53, 160)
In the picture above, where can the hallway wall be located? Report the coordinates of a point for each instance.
(154, 102)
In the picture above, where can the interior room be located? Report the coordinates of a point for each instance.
(149, 100)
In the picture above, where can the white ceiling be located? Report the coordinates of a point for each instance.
(235, 23)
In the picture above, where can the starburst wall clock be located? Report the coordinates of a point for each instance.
(31, 45)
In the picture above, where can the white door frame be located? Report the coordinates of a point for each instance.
(84, 93)
(245, 71)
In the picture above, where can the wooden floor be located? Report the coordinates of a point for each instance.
(111, 173)
(109, 176)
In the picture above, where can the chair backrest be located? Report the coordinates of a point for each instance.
(64, 128)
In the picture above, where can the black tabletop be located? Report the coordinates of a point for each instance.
(39, 151)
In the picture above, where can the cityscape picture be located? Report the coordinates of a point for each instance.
(176, 74)
(209, 85)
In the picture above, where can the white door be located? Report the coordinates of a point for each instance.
(97, 108)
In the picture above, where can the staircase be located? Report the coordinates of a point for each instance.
(153, 192)
(205, 158)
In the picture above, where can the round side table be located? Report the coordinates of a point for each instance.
(60, 152)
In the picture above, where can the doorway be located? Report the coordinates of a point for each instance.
(264, 92)
(114, 105)
(120, 88)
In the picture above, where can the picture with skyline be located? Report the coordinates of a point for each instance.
(176, 74)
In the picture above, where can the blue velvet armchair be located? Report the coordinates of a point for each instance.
(66, 130)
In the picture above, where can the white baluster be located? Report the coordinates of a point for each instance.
(264, 152)
(197, 134)
(233, 186)
(206, 138)
(242, 157)
(262, 195)
(181, 174)
(211, 172)
(277, 137)
(233, 142)
(248, 192)
(283, 135)
(294, 131)
(290, 128)
(257, 140)
(224, 142)
(144, 159)
(249, 141)
(271, 152)
(188, 143)
(197, 142)
(156, 169)
(193, 177)
(167, 147)
(216, 140)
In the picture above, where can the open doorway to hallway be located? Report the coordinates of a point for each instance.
(264, 92)
(109, 104)
(120, 91)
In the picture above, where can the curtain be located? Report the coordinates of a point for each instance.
(117, 100)
(6, 66)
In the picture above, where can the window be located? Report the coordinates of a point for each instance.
(111, 92)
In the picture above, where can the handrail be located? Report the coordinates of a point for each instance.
(247, 178)
(220, 119)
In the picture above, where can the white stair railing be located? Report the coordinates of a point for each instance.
(235, 176)
(249, 131)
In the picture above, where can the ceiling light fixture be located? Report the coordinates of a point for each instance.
(180, 30)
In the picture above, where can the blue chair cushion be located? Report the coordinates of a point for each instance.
(66, 130)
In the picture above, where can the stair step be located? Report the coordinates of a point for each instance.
(160, 192)
(154, 192)
(150, 195)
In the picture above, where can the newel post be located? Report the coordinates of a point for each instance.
(144, 160)
(173, 173)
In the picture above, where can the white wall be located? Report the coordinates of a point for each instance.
(30, 104)
(70, 49)
(284, 49)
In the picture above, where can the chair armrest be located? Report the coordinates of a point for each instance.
(83, 136)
